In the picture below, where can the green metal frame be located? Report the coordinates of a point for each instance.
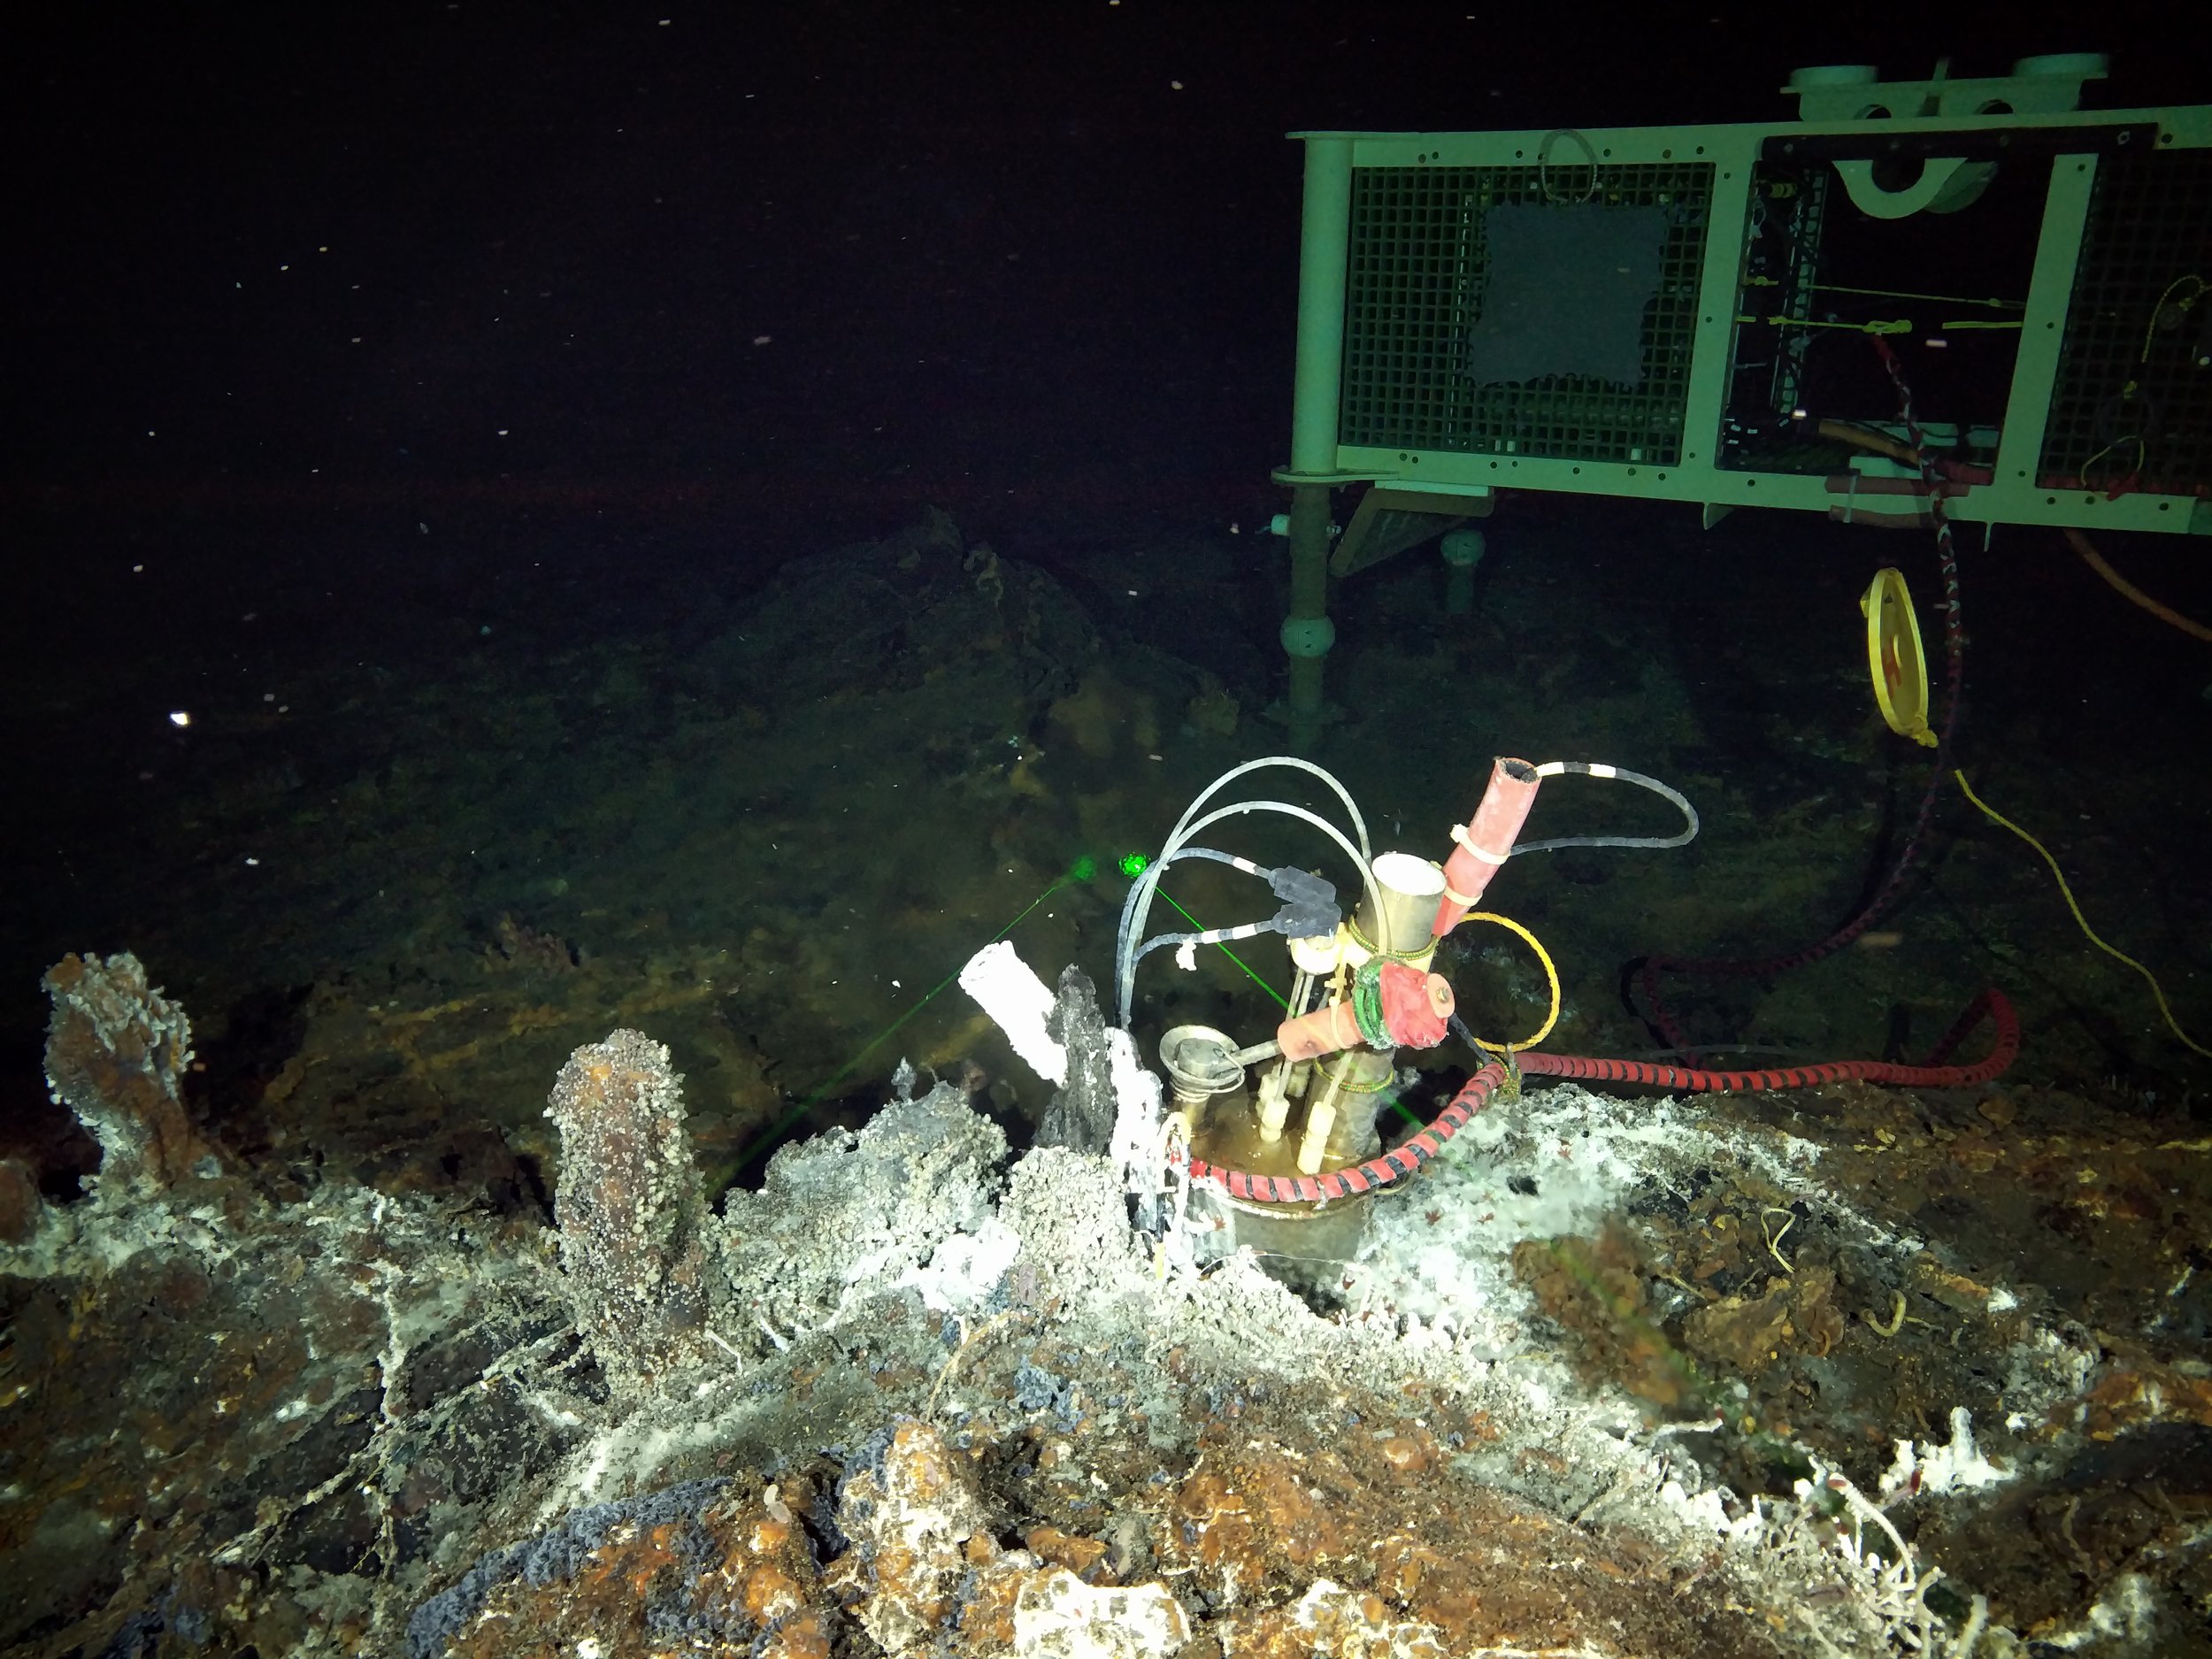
(1366, 359)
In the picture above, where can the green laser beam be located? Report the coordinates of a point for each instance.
(768, 1141)
(1082, 870)
(1281, 1001)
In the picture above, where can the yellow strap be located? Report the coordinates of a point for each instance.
(1550, 973)
(1996, 817)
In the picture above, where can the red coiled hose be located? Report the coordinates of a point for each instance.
(1404, 1160)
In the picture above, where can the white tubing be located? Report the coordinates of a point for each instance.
(1148, 881)
(1296, 763)
(1020, 1002)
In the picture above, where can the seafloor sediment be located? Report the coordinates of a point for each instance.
(1612, 1378)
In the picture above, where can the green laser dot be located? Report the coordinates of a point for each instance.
(1133, 865)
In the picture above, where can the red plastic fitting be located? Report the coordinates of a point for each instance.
(1486, 839)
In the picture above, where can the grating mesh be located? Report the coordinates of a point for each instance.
(2130, 409)
(1416, 289)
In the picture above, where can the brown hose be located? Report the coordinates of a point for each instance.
(1867, 438)
(2095, 561)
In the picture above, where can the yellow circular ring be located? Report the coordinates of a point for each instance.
(1550, 973)
(1893, 655)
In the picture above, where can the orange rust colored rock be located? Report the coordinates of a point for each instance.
(1259, 1511)
(1206, 1494)
(909, 1519)
(804, 1637)
(986, 1611)
(1595, 1289)
(758, 1585)
(1302, 1531)
(769, 1593)
(2146, 1393)
(1404, 1570)
(1816, 1325)
(1405, 1455)
(1281, 1518)
(1738, 1334)
(1078, 1555)
(1954, 1291)
(1331, 1622)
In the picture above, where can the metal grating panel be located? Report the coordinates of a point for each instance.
(2130, 409)
(1416, 287)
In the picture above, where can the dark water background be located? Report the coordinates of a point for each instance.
(494, 429)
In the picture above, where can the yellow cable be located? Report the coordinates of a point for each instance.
(1907, 294)
(2133, 391)
(2150, 329)
(1892, 325)
(1550, 972)
(1996, 817)
(2142, 457)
